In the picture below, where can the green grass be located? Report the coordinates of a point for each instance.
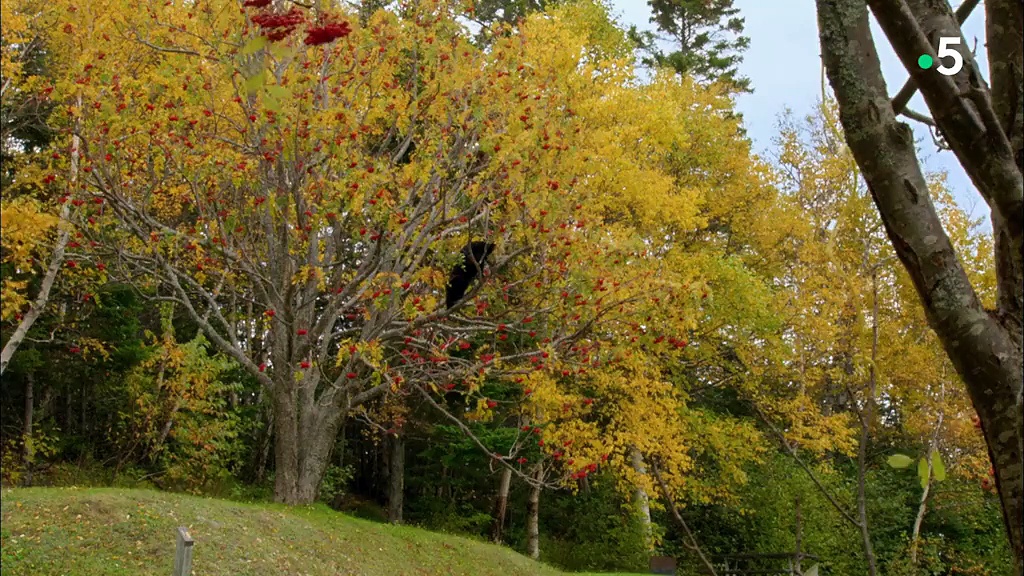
(112, 531)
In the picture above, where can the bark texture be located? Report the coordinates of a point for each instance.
(983, 127)
(533, 517)
(501, 505)
(302, 447)
(396, 478)
(640, 497)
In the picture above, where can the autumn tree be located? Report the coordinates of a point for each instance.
(611, 395)
(301, 185)
(860, 369)
(981, 123)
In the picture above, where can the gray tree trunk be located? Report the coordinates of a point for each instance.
(798, 537)
(533, 517)
(501, 505)
(303, 443)
(985, 129)
(396, 478)
(866, 419)
(640, 497)
(922, 508)
(265, 442)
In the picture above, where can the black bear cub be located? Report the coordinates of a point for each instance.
(465, 272)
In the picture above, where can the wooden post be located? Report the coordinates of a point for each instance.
(183, 553)
(663, 565)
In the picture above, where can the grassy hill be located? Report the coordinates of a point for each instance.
(111, 531)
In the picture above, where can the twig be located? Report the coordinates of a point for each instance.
(469, 433)
(692, 545)
(922, 118)
(789, 450)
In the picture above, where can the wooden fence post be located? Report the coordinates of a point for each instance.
(183, 553)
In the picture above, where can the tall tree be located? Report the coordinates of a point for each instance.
(326, 176)
(705, 37)
(984, 127)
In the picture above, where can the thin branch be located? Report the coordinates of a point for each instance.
(922, 118)
(692, 545)
(172, 50)
(469, 433)
(792, 452)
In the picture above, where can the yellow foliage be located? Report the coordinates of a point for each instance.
(25, 226)
(271, 171)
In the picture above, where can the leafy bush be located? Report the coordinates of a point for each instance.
(335, 483)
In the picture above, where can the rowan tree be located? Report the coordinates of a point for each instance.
(301, 185)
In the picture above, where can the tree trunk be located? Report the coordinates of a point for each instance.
(866, 419)
(501, 505)
(641, 499)
(921, 509)
(56, 258)
(83, 407)
(303, 440)
(862, 513)
(983, 128)
(46, 402)
(533, 517)
(165, 431)
(266, 441)
(29, 448)
(396, 477)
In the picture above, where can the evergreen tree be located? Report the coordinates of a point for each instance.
(706, 37)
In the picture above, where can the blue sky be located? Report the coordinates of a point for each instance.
(784, 65)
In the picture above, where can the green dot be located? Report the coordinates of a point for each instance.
(925, 61)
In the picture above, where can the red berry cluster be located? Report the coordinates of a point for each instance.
(330, 32)
(278, 26)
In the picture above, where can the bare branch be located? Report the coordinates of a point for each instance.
(692, 544)
(810, 473)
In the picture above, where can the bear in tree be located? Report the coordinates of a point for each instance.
(474, 256)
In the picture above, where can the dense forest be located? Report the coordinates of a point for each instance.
(510, 269)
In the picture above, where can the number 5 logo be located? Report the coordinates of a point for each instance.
(945, 49)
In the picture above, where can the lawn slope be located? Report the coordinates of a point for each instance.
(111, 531)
